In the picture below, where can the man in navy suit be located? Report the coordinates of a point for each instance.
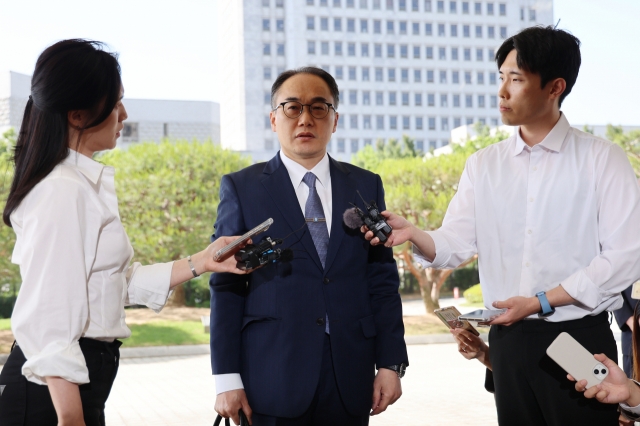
(297, 343)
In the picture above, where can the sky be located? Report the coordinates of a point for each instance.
(168, 48)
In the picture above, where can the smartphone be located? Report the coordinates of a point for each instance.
(449, 316)
(576, 360)
(482, 315)
(229, 247)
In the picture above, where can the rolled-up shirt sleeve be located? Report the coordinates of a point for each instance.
(55, 255)
(149, 285)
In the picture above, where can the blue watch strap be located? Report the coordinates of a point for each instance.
(544, 303)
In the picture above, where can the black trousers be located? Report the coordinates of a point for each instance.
(326, 406)
(24, 403)
(531, 389)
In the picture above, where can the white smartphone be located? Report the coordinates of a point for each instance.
(229, 247)
(576, 360)
(482, 315)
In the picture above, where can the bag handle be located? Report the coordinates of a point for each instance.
(227, 422)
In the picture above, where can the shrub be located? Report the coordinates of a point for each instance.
(473, 294)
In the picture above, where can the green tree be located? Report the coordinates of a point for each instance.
(9, 273)
(629, 141)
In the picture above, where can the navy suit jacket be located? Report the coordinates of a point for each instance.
(267, 325)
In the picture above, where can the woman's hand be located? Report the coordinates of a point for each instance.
(225, 264)
(614, 389)
(471, 346)
(402, 230)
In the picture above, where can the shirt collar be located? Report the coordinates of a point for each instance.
(552, 142)
(297, 171)
(88, 167)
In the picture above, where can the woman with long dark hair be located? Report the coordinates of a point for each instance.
(73, 252)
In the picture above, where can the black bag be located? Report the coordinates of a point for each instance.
(227, 422)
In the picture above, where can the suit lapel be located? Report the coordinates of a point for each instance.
(277, 182)
(343, 191)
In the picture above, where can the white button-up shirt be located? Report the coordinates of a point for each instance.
(232, 381)
(566, 211)
(74, 257)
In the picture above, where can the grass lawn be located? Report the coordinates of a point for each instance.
(166, 333)
(5, 324)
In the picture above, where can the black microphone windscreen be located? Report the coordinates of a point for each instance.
(352, 219)
(286, 255)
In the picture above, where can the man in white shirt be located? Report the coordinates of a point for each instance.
(554, 215)
(297, 343)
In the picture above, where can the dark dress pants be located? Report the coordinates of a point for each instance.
(24, 403)
(531, 389)
(326, 406)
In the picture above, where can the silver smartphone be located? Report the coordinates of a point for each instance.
(229, 247)
(576, 360)
(482, 315)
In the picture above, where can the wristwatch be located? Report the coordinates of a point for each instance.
(398, 368)
(547, 309)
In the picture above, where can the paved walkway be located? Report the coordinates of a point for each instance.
(440, 388)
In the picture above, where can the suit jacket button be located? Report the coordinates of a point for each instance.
(326, 280)
(320, 321)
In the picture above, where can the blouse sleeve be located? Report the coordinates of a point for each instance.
(60, 234)
(149, 285)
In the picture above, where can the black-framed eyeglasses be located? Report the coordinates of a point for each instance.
(294, 109)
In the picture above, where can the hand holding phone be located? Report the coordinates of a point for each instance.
(482, 316)
(449, 316)
(244, 238)
(576, 360)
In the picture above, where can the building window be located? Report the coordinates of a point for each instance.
(415, 5)
(454, 30)
(427, 5)
(280, 70)
(327, 68)
(406, 122)
(364, 26)
(431, 99)
(416, 52)
(354, 145)
(404, 51)
(266, 25)
(266, 49)
(324, 47)
(417, 99)
(393, 122)
(337, 24)
(405, 98)
(265, 3)
(494, 101)
(324, 24)
(494, 122)
(377, 50)
(404, 75)
(267, 122)
(310, 2)
(440, 6)
(480, 77)
(480, 101)
(379, 98)
(340, 145)
(391, 50)
(532, 14)
(379, 74)
(455, 77)
(454, 53)
(364, 50)
(402, 5)
(402, 27)
(415, 28)
(419, 142)
(389, 4)
(444, 98)
(391, 74)
(491, 31)
(392, 99)
(441, 31)
(366, 122)
(430, 76)
(366, 97)
(324, 2)
(467, 54)
(376, 4)
(351, 25)
(503, 9)
(280, 47)
(492, 78)
(457, 122)
(351, 3)
(443, 76)
(467, 77)
(419, 126)
(280, 25)
(503, 32)
(336, 3)
(352, 73)
(428, 29)
(311, 47)
(479, 54)
(442, 53)
(351, 49)
(417, 76)
(390, 27)
(365, 73)
(491, 55)
(368, 142)
(478, 31)
(353, 97)
(444, 123)
(453, 7)
(468, 121)
(341, 123)
(465, 7)
(353, 121)
(456, 102)
(268, 144)
(468, 101)
(478, 8)
(379, 122)
(466, 31)
(130, 132)
(489, 8)
(311, 23)
(337, 48)
(429, 52)
(377, 26)
(432, 123)
(267, 98)
(266, 73)
(339, 73)
(279, 3)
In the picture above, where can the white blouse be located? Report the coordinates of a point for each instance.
(74, 257)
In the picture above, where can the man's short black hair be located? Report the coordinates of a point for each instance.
(547, 51)
(328, 78)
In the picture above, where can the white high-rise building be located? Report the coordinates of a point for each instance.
(404, 67)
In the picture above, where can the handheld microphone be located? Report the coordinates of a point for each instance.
(253, 256)
(355, 218)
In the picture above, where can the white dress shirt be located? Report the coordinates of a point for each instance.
(232, 381)
(74, 256)
(566, 211)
